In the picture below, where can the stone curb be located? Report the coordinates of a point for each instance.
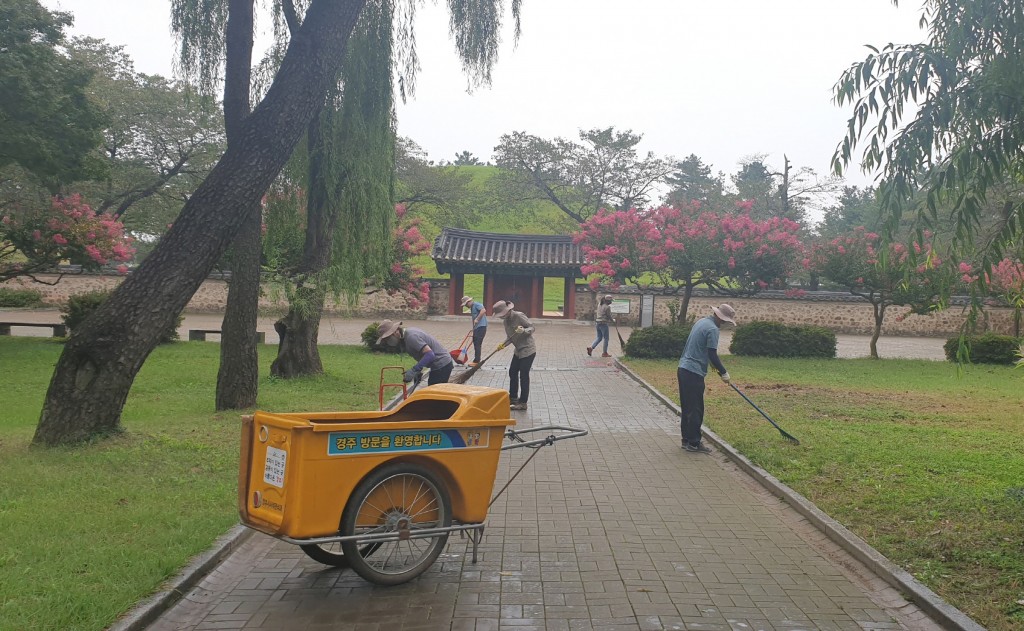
(147, 611)
(931, 603)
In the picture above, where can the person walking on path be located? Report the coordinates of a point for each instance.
(479, 316)
(604, 318)
(701, 348)
(421, 346)
(519, 330)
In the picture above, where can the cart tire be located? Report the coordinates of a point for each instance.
(396, 493)
(326, 553)
(332, 554)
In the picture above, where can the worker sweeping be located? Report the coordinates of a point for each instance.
(421, 346)
(520, 332)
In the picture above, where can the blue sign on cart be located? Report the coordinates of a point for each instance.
(347, 443)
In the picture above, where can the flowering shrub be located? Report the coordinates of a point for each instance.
(683, 247)
(404, 277)
(883, 274)
(32, 240)
(1005, 280)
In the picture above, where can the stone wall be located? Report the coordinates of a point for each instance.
(843, 313)
(213, 294)
(840, 312)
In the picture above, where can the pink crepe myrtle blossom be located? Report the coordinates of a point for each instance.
(684, 246)
(878, 272)
(67, 229)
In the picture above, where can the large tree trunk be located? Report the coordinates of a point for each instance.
(94, 373)
(238, 376)
(297, 353)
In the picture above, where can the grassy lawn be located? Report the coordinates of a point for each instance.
(91, 530)
(926, 467)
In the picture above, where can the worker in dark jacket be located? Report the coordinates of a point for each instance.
(422, 347)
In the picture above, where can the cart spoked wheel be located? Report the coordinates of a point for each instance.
(332, 554)
(404, 498)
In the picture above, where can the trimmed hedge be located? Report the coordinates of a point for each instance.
(989, 348)
(772, 339)
(79, 306)
(658, 342)
(20, 297)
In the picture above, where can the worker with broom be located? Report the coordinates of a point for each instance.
(421, 346)
(519, 331)
(701, 348)
(479, 316)
(603, 319)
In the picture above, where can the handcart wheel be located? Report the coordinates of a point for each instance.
(396, 497)
(332, 554)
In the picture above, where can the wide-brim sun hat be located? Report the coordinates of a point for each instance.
(466, 300)
(608, 297)
(725, 313)
(501, 307)
(386, 328)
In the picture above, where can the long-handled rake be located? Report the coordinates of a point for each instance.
(784, 433)
(464, 376)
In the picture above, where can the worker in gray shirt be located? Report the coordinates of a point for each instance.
(701, 348)
(421, 346)
(518, 330)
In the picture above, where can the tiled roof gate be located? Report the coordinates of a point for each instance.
(458, 251)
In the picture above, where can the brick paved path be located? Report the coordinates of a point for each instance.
(618, 530)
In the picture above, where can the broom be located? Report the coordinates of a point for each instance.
(622, 342)
(464, 376)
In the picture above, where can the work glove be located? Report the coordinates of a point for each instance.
(409, 375)
(520, 329)
(501, 346)
(725, 377)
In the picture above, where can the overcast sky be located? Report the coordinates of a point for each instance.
(723, 79)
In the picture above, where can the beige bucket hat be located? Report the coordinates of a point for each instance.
(725, 313)
(501, 308)
(386, 328)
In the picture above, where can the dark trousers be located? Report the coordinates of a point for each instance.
(519, 378)
(478, 342)
(691, 401)
(440, 375)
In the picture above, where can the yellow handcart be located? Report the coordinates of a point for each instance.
(381, 491)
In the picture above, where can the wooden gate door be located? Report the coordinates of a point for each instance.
(518, 289)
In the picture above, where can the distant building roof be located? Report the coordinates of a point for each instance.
(470, 252)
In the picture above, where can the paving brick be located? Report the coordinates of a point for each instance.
(617, 530)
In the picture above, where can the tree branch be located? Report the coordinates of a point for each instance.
(291, 18)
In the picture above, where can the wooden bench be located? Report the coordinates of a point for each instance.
(199, 335)
(59, 330)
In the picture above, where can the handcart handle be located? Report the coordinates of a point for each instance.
(516, 435)
(537, 443)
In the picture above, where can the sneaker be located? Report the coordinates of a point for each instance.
(472, 364)
(512, 401)
(605, 355)
(699, 448)
(517, 406)
(590, 351)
